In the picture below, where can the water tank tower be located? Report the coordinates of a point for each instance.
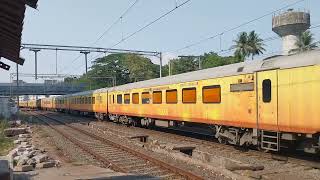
(289, 26)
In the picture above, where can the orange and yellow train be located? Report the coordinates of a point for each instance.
(270, 103)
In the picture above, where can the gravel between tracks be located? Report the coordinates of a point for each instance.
(87, 140)
(63, 149)
(209, 156)
(199, 170)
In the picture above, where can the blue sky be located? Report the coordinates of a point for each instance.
(81, 22)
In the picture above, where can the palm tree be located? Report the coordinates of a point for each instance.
(248, 45)
(241, 46)
(256, 44)
(304, 43)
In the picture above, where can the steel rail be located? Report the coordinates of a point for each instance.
(158, 162)
(74, 141)
(288, 158)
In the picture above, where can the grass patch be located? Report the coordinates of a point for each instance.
(6, 144)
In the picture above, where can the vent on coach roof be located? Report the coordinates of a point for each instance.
(267, 64)
(240, 69)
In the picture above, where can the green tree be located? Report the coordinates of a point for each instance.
(188, 64)
(247, 45)
(183, 65)
(242, 46)
(212, 59)
(140, 68)
(256, 44)
(122, 68)
(305, 42)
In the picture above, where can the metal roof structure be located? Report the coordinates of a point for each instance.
(11, 24)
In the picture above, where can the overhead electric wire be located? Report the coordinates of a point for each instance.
(150, 23)
(236, 27)
(146, 26)
(106, 31)
(116, 22)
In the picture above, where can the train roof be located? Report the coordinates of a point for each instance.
(277, 62)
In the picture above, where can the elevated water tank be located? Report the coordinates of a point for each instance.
(289, 25)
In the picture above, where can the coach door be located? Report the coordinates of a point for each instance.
(267, 100)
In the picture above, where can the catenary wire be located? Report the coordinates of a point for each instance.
(150, 23)
(236, 27)
(146, 26)
(106, 31)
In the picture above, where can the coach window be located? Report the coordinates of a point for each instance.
(157, 97)
(171, 96)
(90, 100)
(189, 95)
(266, 90)
(135, 98)
(119, 98)
(93, 100)
(211, 94)
(126, 98)
(145, 97)
(112, 99)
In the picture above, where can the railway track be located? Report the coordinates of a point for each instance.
(114, 155)
(273, 162)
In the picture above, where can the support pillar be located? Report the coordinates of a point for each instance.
(35, 62)
(160, 65)
(17, 90)
(86, 59)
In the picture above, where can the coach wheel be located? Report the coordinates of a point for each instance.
(222, 140)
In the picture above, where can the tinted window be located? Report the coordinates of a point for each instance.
(127, 98)
(145, 98)
(135, 98)
(211, 94)
(119, 98)
(266, 90)
(172, 96)
(189, 95)
(157, 97)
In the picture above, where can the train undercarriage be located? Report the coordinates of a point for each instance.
(244, 137)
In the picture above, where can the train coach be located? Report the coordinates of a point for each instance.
(23, 104)
(270, 103)
(47, 104)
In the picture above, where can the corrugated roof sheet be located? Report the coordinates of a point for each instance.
(11, 23)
